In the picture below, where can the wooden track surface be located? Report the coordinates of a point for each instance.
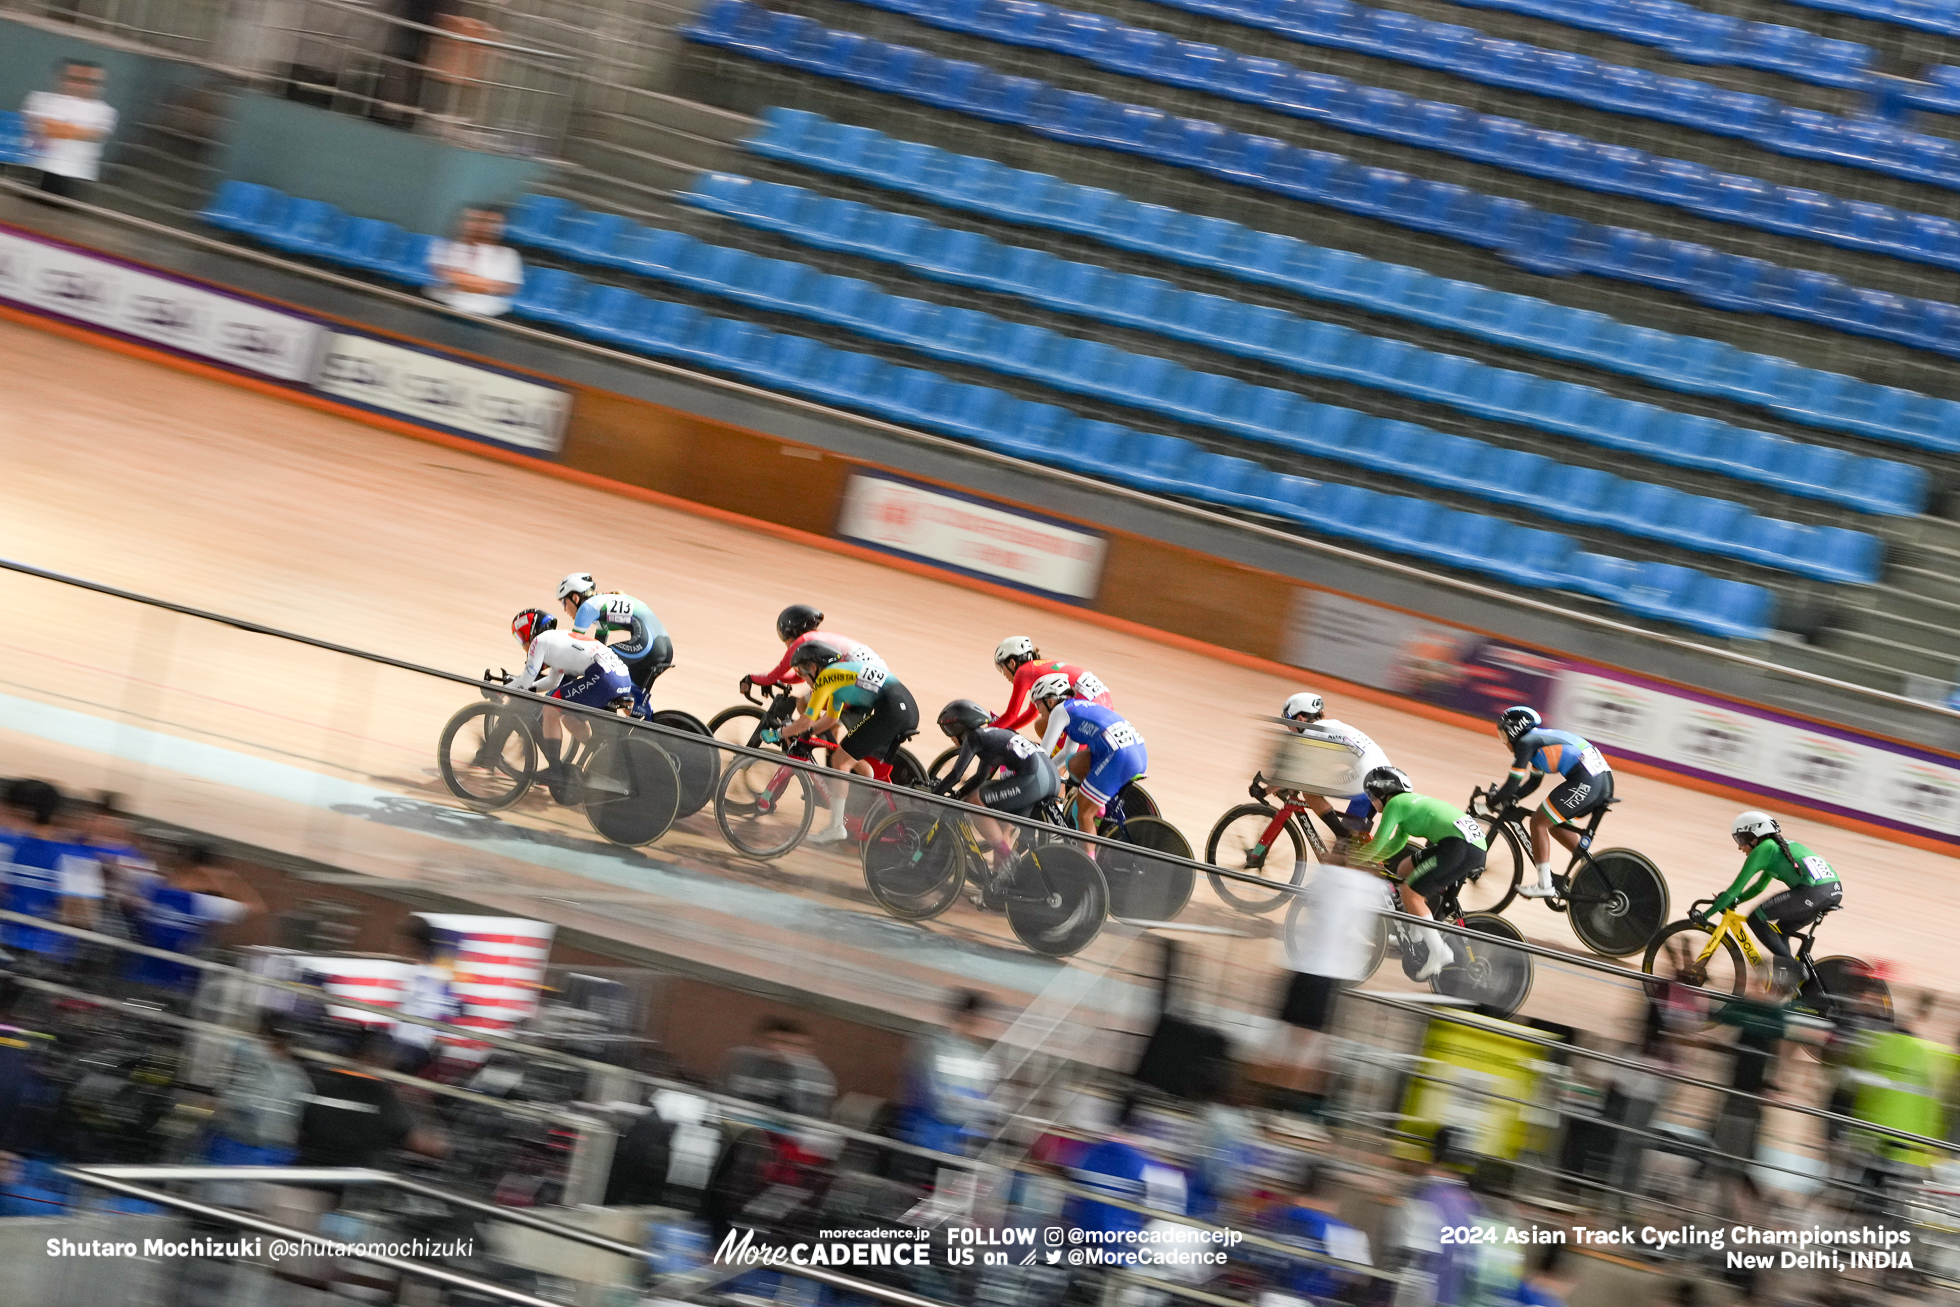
(137, 475)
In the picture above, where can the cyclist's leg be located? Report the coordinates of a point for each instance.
(1427, 878)
(1554, 819)
(1776, 917)
(1104, 781)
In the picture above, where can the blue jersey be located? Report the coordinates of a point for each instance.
(603, 614)
(1316, 1232)
(1550, 752)
(1122, 1170)
(44, 872)
(176, 921)
(1102, 731)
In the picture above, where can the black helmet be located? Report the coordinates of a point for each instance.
(1514, 723)
(1384, 783)
(795, 620)
(961, 716)
(815, 654)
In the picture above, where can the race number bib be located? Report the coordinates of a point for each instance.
(610, 662)
(872, 678)
(1088, 687)
(1819, 871)
(1468, 828)
(1021, 747)
(619, 611)
(1121, 736)
(1592, 760)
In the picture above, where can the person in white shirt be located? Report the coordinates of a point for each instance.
(475, 273)
(1305, 710)
(67, 127)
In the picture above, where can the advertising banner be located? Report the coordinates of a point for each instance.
(114, 296)
(969, 535)
(467, 399)
(1781, 757)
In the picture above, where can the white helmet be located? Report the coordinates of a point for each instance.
(577, 583)
(1304, 703)
(1052, 686)
(1755, 825)
(1014, 646)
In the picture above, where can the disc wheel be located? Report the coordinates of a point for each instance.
(1674, 954)
(1142, 885)
(1843, 977)
(699, 764)
(1235, 845)
(487, 756)
(1617, 901)
(915, 864)
(1497, 979)
(764, 806)
(1137, 801)
(632, 791)
(1073, 901)
(1493, 889)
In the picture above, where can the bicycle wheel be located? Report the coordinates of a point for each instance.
(915, 864)
(1142, 886)
(487, 756)
(1675, 952)
(632, 790)
(1236, 843)
(1137, 801)
(1493, 889)
(699, 764)
(1843, 978)
(1375, 945)
(736, 725)
(764, 806)
(907, 771)
(1497, 979)
(1618, 900)
(941, 763)
(1073, 905)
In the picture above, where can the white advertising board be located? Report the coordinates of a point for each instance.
(148, 306)
(980, 539)
(444, 392)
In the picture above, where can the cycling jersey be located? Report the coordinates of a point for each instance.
(1116, 751)
(43, 874)
(1414, 816)
(1766, 863)
(1371, 753)
(604, 614)
(855, 651)
(1021, 710)
(176, 921)
(844, 685)
(1545, 752)
(554, 655)
(997, 749)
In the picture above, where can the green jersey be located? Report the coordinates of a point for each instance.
(1766, 863)
(1411, 816)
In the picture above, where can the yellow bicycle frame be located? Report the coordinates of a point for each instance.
(1732, 923)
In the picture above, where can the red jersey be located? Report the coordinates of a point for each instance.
(854, 650)
(1021, 710)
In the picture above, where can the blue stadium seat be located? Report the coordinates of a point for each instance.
(235, 206)
(1735, 609)
(311, 227)
(1603, 576)
(534, 219)
(549, 295)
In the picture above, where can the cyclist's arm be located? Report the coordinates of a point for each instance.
(782, 674)
(1020, 709)
(535, 674)
(1756, 874)
(1390, 839)
(588, 620)
(1057, 730)
(951, 779)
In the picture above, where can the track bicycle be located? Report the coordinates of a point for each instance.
(1495, 978)
(1616, 898)
(1136, 800)
(1271, 843)
(1719, 956)
(489, 756)
(1142, 887)
(765, 806)
(917, 860)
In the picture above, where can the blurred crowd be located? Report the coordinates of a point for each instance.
(1346, 1191)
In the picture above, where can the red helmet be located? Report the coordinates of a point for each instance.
(530, 624)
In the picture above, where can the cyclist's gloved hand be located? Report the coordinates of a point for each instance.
(747, 686)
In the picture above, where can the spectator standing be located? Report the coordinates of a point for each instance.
(781, 1070)
(430, 993)
(1328, 945)
(54, 876)
(1311, 1221)
(258, 1119)
(176, 909)
(1120, 1167)
(67, 127)
(1440, 1199)
(476, 273)
(949, 1078)
(1760, 1024)
(1901, 1083)
(25, 1100)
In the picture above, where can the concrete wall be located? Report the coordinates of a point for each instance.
(365, 168)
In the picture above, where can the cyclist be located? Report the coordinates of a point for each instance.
(1453, 851)
(1019, 661)
(840, 685)
(1814, 888)
(1111, 753)
(795, 624)
(647, 649)
(1307, 709)
(598, 679)
(1585, 783)
(1014, 776)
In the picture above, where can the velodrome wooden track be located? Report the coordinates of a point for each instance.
(140, 476)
